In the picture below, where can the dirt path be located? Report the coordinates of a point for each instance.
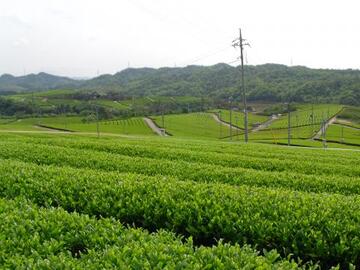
(217, 119)
(327, 124)
(151, 124)
(265, 124)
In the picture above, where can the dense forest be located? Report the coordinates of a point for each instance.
(269, 82)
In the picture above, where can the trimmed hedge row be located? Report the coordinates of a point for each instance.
(200, 172)
(313, 227)
(35, 238)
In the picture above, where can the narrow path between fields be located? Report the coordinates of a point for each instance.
(52, 128)
(327, 124)
(217, 119)
(265, 124)
(151, 124)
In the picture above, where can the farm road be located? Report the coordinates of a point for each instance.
(217, 119)
(327, 124)
(154, 127)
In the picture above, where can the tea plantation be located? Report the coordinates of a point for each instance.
(79, 202)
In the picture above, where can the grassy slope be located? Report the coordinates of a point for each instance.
(200, 125)
(301, 123)
(311, 143)
(56, 97)
(238, 117)
(135, 126)
(337, 133)
(277, 134)
(350, 116)
(302, 116)
(195, 125)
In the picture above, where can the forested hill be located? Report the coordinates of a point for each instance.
(269, 82)
(34, 82)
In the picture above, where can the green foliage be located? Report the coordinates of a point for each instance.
(31, 82)
(278, 109)
(269, 82)
(238, 118)
(307, 114)
(9, 107)
(343, 134)
(87, 124)
(193, 125)
(301, 202)
(351, 114)
(36, 238)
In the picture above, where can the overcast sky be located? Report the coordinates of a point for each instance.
(87, 37)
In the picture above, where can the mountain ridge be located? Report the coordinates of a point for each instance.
(273, 82)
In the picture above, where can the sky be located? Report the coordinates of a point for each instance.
(84, 38)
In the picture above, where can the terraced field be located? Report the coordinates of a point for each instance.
(276, 134)
(238, 118)
(350, 116)
(194, 125)
(306, 115)
(343, 134)
(305, 122)
(133, 126)
(25, 124)
(78, 202)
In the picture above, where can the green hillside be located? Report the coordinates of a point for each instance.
(269, 82)
(238, 118)
(193, 125)
(307, 114)
(133, 126)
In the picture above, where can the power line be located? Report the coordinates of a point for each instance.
(232, 62)
(289, 124)
(202, 57)
(165, 18)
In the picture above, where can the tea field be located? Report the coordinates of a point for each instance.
(81, 202)
(130, 126)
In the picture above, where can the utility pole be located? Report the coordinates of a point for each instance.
(324, 133)
(133, 105)
(289, 124)
(162, 116)
(312, 117)
(297, 120)
(32, 105)
(97, 116)
(64, 112)
(97, 121)
(237, 126)
(240, 43)
(230, 107)
(312, 114)
(220, 129)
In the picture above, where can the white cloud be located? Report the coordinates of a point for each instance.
(23, 41)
